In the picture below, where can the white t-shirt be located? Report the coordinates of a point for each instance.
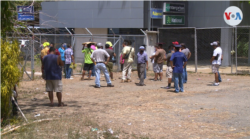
(218, 50)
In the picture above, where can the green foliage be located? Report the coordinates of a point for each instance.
(245, 1)
(10, 74)
(7, 16)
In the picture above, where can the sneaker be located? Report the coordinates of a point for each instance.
(166, 87)
(97, 86)
(110, 85)
(216, 84)
(176, 91)
(71, 78)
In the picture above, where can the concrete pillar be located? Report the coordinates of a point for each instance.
(152, 38)
(226, 38)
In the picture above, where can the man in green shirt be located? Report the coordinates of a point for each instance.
(88, 63)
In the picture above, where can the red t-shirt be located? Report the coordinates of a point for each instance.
(56, 52)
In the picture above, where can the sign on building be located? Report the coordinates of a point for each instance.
(156, 13)
(173, 20)
(173, 8)
(25, 13)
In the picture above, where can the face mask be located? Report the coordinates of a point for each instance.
(141, 50)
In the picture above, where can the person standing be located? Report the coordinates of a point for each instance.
(219, 77)
(159, 57)
(142, 64)
(88, 63)
(216, 61)
(187, 53)
(44, 52)
(98, 56)
(69, 58)
(56, 50)
(178, 61)
(128, 53)
(110, 64)
(61, 51)
(169, 71)
(53, 76)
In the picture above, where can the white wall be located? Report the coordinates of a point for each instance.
(79, 56)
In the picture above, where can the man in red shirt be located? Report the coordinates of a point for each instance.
(56, 50)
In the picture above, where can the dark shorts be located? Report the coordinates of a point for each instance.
(88, 67)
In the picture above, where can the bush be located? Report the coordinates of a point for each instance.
(10, 74)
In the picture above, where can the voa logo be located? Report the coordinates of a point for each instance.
(233, 16)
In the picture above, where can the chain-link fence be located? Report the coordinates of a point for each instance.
(182, 35)
(233, 41)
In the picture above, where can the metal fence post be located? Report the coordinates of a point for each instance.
(235, 41)
(32, 58)
(195, 50)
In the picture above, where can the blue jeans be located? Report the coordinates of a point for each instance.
(184, 74)
(219, 77)
(178, 79)
(98, 68)
(68, 70)
(93, 71)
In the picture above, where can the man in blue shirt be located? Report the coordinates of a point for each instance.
(61, 51)
(53, 76)
(178, 61)
(142, 60)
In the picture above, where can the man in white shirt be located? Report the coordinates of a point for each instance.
(216, 61)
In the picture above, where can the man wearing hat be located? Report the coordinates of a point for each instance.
(110, 63)
(44, 52)
(110, 45)
(216, 61)
(99, 57)
(142, 60)
(178, 61)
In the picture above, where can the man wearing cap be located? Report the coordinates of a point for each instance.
(109, 65)
(216, 61)
(187, 53)
(159, 57)
(142, 60)
(88, 63)
(110, 45)
(98, 56)
(44, 52)
(178, 61)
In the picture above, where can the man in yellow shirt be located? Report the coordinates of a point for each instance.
(128, 53)
(44, 52)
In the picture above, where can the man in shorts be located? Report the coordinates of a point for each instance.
(88, 63)
(169, 71)
(216, 61)
(110, 63)
(159, 57)
(52, 67)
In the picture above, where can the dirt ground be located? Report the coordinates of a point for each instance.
(202, 111)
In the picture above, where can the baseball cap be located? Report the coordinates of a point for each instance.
(141, 47)
(110, 43)
(177, 45)
(99, 44)
(214, 43)
(45, 44)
